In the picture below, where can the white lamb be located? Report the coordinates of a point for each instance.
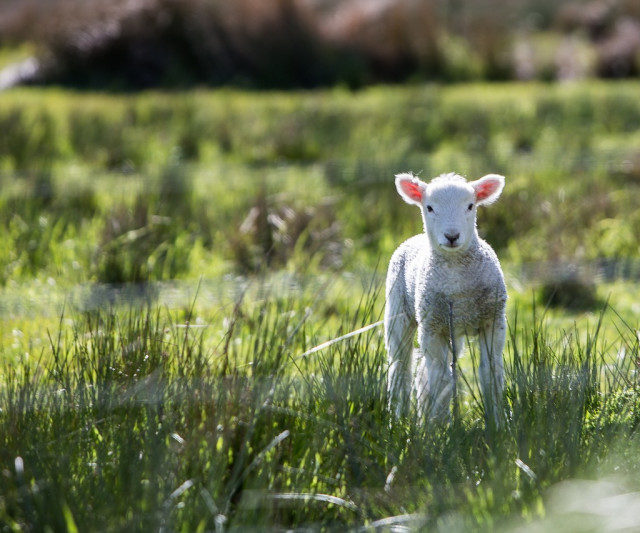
(447, 265)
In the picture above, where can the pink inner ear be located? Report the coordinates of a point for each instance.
(486, 188)
(412, 190)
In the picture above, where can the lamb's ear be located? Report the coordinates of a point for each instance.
(488, 188)
(410, 188)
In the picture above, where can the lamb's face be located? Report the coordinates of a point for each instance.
(448, 205)
(449, 214)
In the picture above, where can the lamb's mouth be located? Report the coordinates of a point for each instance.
(450, 247)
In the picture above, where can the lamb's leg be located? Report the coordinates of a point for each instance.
(399, 334)
(491, 370)
(434, 380)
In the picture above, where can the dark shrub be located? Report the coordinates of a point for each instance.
(570, 290)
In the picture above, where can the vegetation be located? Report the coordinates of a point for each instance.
(129, 422)
(167, 259)
(118, 45)
(309, 174)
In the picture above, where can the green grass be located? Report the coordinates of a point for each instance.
(85, 169)
(165, 258)
(134, 421)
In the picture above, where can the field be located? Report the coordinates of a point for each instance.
(168, 259)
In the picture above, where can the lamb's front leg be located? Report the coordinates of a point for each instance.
(399, 334)
(434, 380)
(491, 370)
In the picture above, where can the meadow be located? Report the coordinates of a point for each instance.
(168, 260)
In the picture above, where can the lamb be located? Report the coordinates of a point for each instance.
(447, 272)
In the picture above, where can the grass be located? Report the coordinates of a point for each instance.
(325, 156)
(136, 420)
(134, 397)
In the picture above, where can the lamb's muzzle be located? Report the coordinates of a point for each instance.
(452, 238)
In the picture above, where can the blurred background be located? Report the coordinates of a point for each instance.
(132, 44)
(158, 140)
(166, 139)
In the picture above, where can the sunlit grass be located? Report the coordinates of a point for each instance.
(149, 418)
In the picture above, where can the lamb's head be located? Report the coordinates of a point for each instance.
(448, 205)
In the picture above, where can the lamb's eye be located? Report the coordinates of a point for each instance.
(470, 207)
(430, 209)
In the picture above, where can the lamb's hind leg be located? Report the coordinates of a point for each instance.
(399, 334)
(491, 370)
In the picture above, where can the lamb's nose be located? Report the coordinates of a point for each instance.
(452, 237)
